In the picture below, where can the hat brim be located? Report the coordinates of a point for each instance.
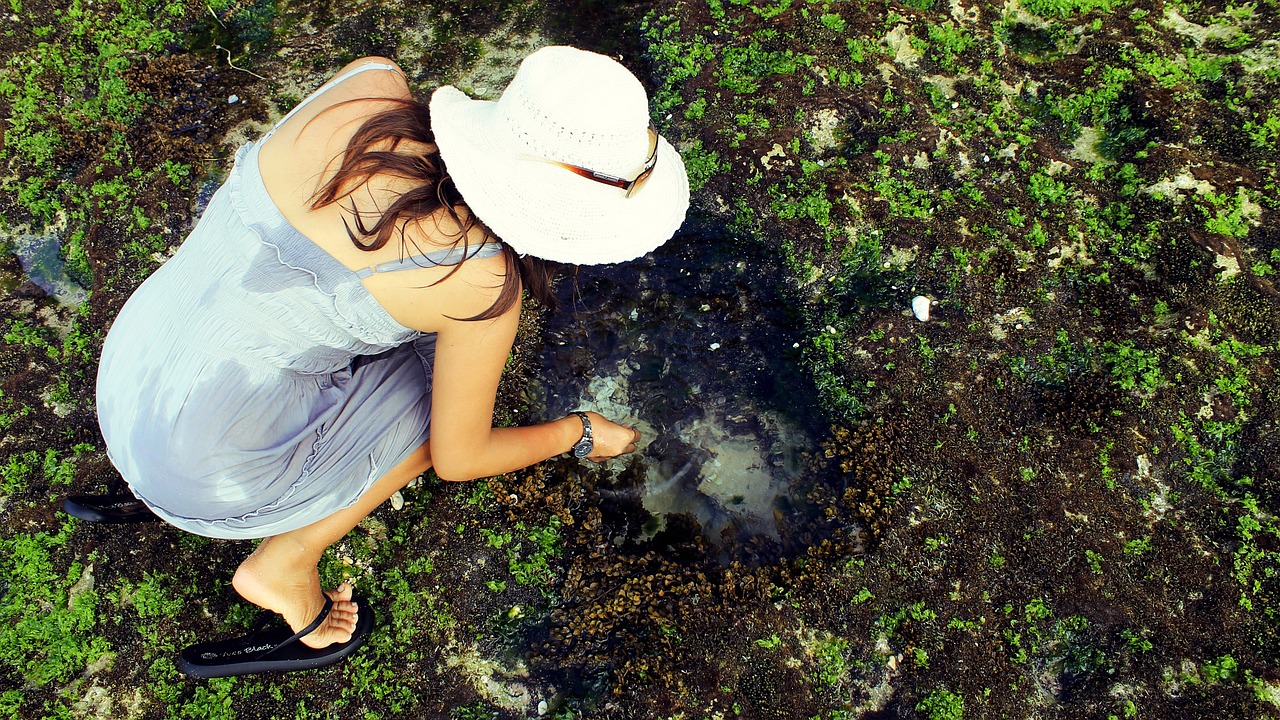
(542, 209)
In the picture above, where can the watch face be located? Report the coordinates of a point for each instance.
(583, 449)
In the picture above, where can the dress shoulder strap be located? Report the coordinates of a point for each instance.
(371, 65)
(448, 256)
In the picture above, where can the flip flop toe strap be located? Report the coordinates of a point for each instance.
(324, 613)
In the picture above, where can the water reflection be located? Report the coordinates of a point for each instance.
(691, 346)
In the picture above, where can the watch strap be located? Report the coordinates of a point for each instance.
(586, 443)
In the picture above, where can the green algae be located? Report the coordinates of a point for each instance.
(48, 613)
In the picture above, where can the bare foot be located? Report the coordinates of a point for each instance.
(279, 577)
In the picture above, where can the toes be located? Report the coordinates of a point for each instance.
(346, 608)
(347, 614)
(340, 594)
(342, 624)
(346, 627)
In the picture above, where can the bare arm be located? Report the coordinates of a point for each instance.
(464, 444)
(470, 357)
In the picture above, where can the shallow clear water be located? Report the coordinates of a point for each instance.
(690, 345)
(41, 261)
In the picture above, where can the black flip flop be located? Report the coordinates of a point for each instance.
(109, 509)
(273, 649)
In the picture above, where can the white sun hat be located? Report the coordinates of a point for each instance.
(521, 163)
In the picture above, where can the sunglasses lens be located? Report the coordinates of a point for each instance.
(650, 163)
(635, 184)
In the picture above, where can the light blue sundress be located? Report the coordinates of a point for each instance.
(252, 385)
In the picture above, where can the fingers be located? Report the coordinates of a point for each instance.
(631, 445)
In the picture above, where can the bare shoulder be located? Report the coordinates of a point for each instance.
(370, 60)
(357, 95)
(303, 148)
(431, 298)
(362, 89)
(384, 78)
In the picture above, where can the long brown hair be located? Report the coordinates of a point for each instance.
(434, 191)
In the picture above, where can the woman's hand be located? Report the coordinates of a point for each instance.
(611, 439)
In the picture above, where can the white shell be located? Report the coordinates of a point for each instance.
(397, 501)
(920, 306)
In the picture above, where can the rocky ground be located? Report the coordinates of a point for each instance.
(1055, 498)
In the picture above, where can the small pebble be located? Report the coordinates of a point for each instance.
(397, 501)
(233, 99)
(920, 306)
(542, 707)
(955, 105)
(715, 346)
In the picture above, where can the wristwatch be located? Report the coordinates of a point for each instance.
(583, 447)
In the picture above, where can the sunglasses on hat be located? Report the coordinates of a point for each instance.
(612, 180)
